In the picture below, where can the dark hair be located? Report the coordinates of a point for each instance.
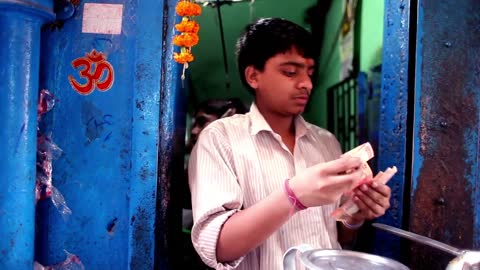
(268, 37)
(219, 107)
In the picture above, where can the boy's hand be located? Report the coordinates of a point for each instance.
(372, 199)
(325, 183)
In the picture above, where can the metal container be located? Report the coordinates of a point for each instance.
(464, 260)
(316, 259)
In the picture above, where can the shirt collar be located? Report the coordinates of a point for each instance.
(258, 123)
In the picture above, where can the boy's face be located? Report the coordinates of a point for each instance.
(285, 84)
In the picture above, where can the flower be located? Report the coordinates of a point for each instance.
(187, 26)
(183, 57)
(186, 40)
(186, 8)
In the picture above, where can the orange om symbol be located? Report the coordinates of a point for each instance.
(92, 75)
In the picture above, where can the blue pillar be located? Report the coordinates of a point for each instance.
(20, 24)
(393, 148)
(171, 150)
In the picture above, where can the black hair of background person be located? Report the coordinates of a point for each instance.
(219, 107)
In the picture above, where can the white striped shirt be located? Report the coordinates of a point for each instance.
(239, 161)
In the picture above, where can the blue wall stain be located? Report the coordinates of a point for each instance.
(418, 159)
(19, 138)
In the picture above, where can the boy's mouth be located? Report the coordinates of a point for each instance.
(301, 99)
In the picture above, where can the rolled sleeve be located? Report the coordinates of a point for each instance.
(216, 194)
(205, 236)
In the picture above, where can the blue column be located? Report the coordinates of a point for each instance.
(168, 248)
(20, 24)
(393, 125)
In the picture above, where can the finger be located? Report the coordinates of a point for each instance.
(365, 211)
(377, 207)
(374, 195)
(381, 188)
(349, 181)
(342, 165)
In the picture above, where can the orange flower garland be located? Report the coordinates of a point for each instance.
(186, 40)
(188, 8)
(188, 29)
(188, 26)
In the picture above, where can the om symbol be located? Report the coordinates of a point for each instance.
(92, 68)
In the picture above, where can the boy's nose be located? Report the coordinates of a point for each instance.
(305, 83)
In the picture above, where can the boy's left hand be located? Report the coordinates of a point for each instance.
(373, 200)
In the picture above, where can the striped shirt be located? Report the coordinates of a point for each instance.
(239, 161)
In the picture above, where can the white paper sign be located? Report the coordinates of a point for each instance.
(102, 18)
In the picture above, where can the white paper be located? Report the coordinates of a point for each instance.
(102, 18)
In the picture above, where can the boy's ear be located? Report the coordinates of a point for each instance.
(251, 76)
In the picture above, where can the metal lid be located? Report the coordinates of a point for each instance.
(346, 259)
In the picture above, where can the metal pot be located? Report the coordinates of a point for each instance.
(465, 260)
(316, 259)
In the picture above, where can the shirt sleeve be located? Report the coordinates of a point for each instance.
(216, 194)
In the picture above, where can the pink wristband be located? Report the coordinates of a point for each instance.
(295, 201)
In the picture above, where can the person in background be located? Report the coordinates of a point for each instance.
(211, 110)
(268, 180)
(206, 112)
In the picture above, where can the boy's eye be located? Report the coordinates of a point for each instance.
(289, 73)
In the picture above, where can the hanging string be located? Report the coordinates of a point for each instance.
(252, 9)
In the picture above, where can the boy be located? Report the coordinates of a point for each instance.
(253, 175)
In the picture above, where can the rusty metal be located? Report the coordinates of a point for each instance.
(444, 197)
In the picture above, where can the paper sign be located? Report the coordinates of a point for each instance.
(102, 18)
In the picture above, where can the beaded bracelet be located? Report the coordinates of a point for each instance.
(293, 198)
(352, 226)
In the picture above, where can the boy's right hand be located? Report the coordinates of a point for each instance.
(325, 183)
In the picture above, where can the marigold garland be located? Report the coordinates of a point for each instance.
(183, 57)
(188, 29)
(186, 40)
(188, 8)
(188, 26)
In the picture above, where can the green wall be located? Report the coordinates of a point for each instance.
(207, 71)
(371, 40)
(329, 66)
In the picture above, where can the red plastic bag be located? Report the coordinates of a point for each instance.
(71, 263)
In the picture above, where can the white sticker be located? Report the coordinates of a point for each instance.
(102, 18)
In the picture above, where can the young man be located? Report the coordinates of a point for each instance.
(251, 174)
